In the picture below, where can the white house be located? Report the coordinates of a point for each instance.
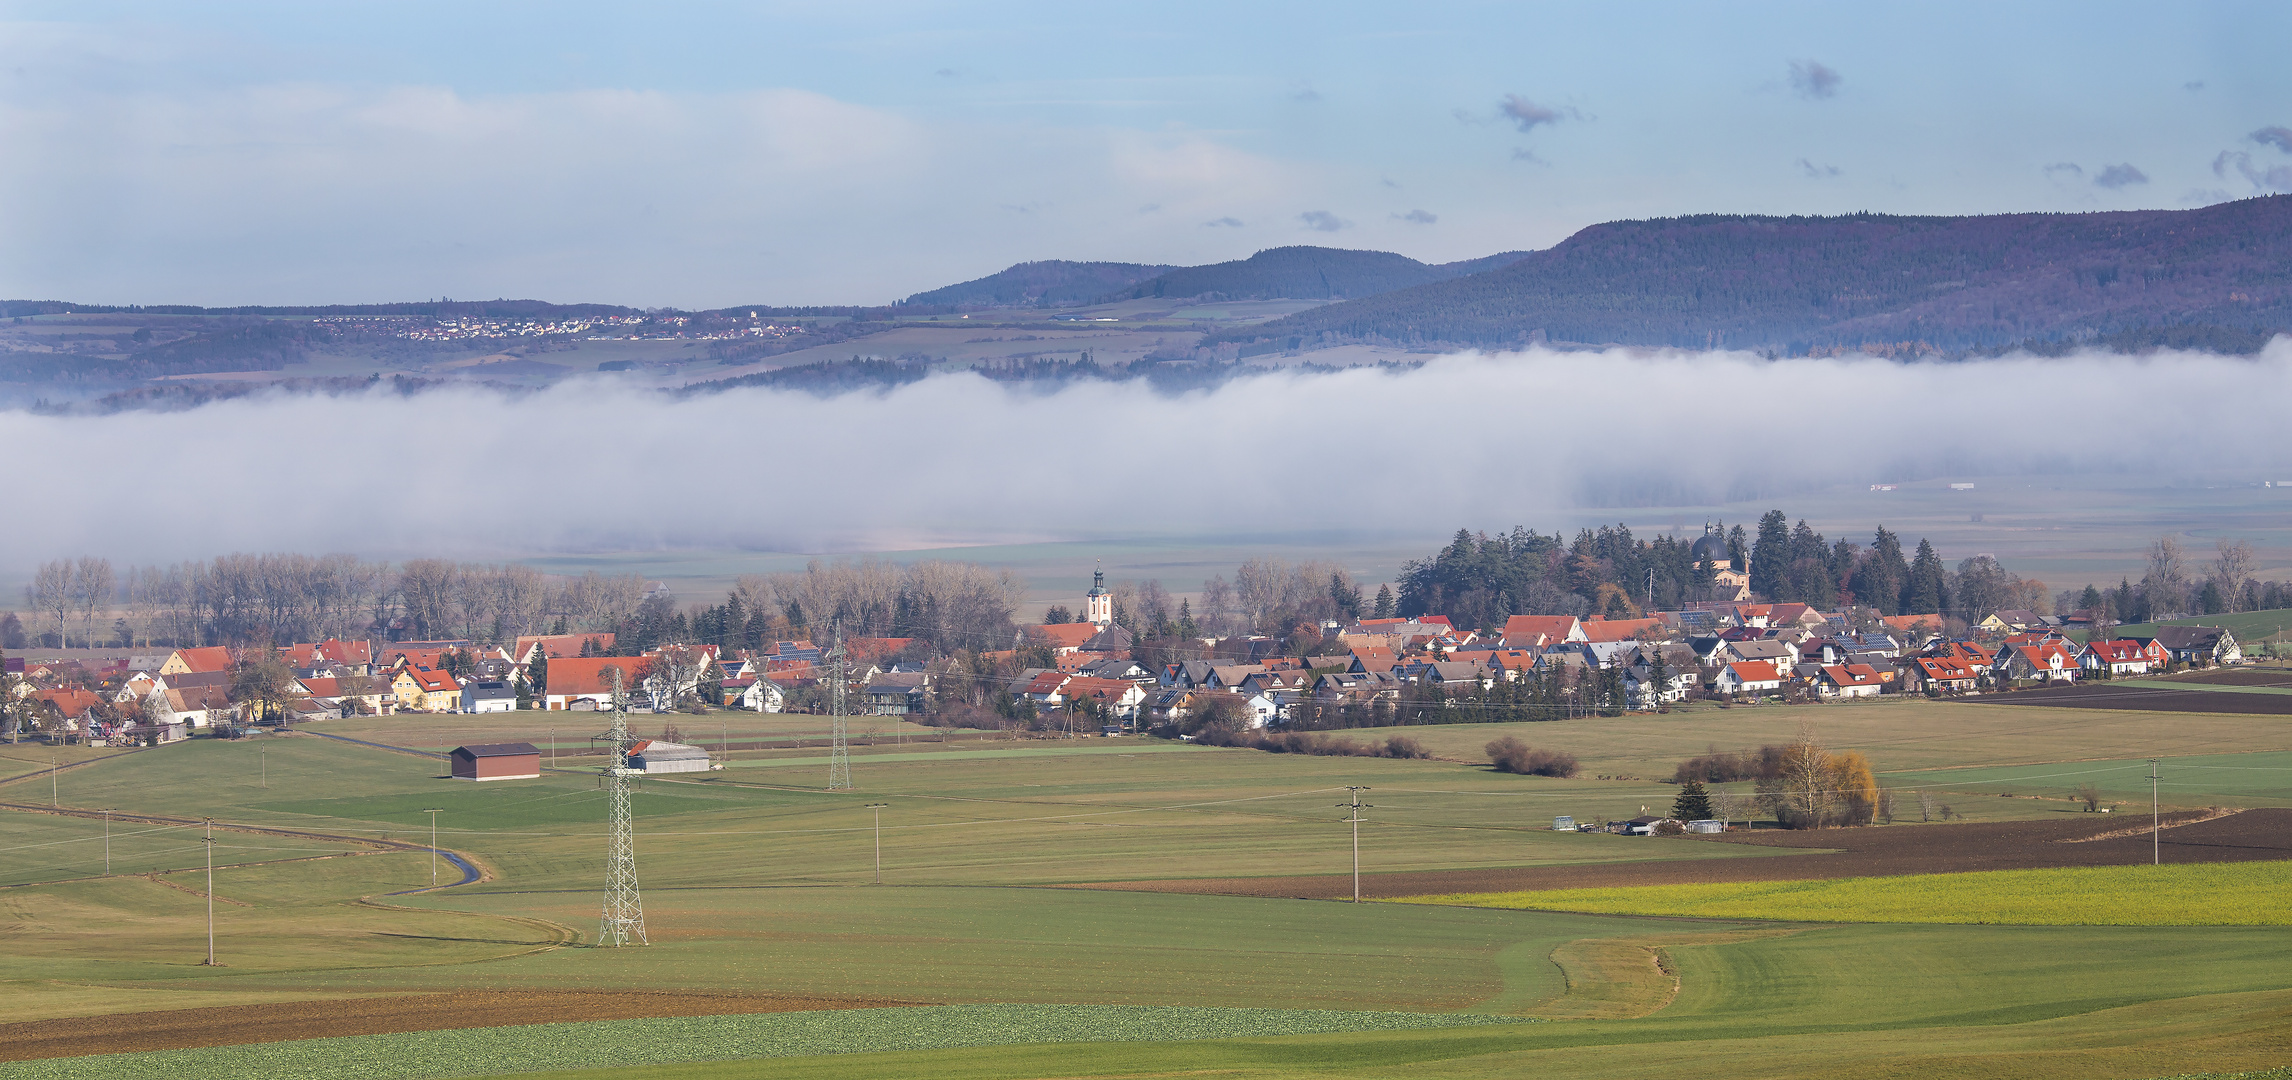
(1748, 677)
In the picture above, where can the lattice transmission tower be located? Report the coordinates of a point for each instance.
(623, 921)
(839, 753)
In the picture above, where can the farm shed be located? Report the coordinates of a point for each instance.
(658, 756)
(497, 761)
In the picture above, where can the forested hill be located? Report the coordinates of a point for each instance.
(1306, 273)
(1049, 283)
(1793, 284)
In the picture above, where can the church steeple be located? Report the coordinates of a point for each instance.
(1098, 604)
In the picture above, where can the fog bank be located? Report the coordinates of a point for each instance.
(1493, 440)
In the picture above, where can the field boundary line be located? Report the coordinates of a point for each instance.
(2213, 814)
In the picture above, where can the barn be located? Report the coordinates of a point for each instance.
(661, 756)
(497, 761)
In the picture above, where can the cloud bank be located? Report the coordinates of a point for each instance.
(598, 465)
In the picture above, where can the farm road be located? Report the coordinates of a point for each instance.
(2251, 835)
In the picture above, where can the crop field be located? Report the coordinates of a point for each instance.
(2253, 779)
(2237, 894)
(760, 900)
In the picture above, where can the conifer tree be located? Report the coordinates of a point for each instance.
(1693, 803)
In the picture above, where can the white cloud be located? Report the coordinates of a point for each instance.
(957, 458)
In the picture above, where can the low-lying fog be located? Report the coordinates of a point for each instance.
(1494, 439)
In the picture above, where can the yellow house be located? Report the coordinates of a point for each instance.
(425, 690)
(192, 661)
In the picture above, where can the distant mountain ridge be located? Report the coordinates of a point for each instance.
(1795, 284)
(1049, 283)
(1305, 273)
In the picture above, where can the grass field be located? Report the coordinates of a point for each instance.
(2238, 894)
(756, 879)
(2253, 779)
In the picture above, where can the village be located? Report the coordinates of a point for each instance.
(1090, 676)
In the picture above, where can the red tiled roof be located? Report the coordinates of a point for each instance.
(1061, 635)
(1537, 629)
(574, 675)
(211, 658)
(1617, 629)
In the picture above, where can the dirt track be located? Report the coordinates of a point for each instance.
(184, 1028)
(1921, 849)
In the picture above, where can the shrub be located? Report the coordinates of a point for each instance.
(1513, 756)
(1716, 766)
(1401, 746)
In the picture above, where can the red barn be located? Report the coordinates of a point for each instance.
(497, 761)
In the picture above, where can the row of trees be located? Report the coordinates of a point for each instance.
(2172, 584)
(242, 598)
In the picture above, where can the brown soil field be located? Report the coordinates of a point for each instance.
(1832, 853)
(178, 1029)
(2102, 695)
(2238, 677)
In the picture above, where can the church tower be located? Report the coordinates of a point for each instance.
(1098, 605)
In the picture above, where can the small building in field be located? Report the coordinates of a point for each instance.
(661, 756)
(497, 761)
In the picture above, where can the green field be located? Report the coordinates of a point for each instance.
(756, 880)
(2225, 894)
(2252, 779)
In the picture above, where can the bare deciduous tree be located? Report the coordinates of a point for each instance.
(2231, 569)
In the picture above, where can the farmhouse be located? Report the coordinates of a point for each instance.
(496, 761)
(2199, 645)
(576, 680)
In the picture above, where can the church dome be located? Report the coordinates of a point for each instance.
(1710, 548)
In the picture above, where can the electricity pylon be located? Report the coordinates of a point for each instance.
(623, 922)
(839, 754)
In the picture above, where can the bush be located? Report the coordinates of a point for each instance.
(1401, 746)
(1513, 756)
(1716, 766)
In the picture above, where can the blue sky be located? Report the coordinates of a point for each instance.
(698, 155)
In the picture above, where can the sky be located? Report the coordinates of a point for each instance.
(701, 155)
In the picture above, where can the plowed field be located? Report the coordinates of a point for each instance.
(184, 1028)
(1834, 853)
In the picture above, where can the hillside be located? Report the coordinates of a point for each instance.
(1050, 283)
(1798, 283)
(1306, 273)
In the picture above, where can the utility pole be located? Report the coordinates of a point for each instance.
(263, 762)
(2156, 830)
(1356, 806)
(623, 920)
(434, 843)
(209, 825)
(51, 781)
(878, 808)
(107, 841)
(839, 752)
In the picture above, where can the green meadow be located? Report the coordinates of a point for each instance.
(757, 880)
(2219, 894)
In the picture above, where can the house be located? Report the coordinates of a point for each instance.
(576, 680)
(1768, 650)
(560, 646)
(1263, 710)
(347, 690)
(1041, 687)
(1230, 677)
(2123, 656)
(2015, 620)
(186, 661)
(199, 706)
(1913, 628)
(1166, 705)
(1681, 675)
(753, 694)
(1512, 665)
(1619, 629)
(1537, 631)
(489, 697)
(2203, 646)
(1059, 637)
(1749, 677)
(1456, 678)
(1117, 698)
(1852, 681)
(1371, 658)
(895, 695)
(1943, 674)
(424, 690)
(496, 761)
(662, 756)
(1339, 686)
(2049, 661)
